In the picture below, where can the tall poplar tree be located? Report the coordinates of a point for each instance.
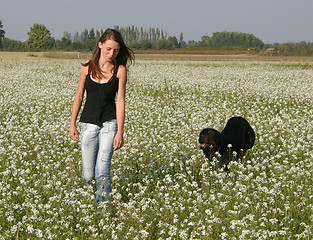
(2, 32)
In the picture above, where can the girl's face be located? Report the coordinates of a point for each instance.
(109, 49)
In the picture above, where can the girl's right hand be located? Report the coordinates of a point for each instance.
(74, 134)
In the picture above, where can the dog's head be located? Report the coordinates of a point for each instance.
(210, 141)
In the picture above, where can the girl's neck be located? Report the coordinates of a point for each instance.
(104, 64)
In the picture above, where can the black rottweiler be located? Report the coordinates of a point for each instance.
(237, 136)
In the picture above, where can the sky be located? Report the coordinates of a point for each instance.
(272, 21)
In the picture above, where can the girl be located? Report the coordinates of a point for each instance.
(102, 119)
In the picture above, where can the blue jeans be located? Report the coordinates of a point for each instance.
(97, 152)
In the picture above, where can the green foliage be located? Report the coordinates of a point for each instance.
(182, 43)
(12, 45)
(206, 40)
(89, 45)
(134, 34)
(39, 38)
(84, 36)
(92, 34)
(165, 44)
(142, 44)
(290, 49)
(235, 39)
(173, 40)
(2, 32)
(63, 44)
(77, 45)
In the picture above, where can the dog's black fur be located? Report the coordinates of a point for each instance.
(238, 133)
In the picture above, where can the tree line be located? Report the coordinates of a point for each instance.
(40, 39)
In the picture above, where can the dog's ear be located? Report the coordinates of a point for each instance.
(215, 136)
(203, 135)
(204, 131)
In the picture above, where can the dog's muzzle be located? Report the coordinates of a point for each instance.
(204, 146)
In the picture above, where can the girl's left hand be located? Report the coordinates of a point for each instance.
(118, 141)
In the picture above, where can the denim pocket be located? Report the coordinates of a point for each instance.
(113, 125)
(109, 126)
(88, 130)
(83, 129)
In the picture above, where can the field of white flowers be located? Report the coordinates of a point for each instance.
(163, 187)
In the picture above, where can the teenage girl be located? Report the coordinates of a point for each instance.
(102, 119)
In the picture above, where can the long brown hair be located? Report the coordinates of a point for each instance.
(122, 57)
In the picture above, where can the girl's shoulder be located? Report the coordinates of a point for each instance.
(86, 63)
(85, 68)
(122, 74)
(121, 69)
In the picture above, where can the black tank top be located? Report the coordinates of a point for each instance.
(100, 101)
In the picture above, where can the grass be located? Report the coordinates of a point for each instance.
(163, 187)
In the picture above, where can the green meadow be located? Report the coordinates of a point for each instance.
(163, 187)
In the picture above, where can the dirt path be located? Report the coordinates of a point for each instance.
(162, 57)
